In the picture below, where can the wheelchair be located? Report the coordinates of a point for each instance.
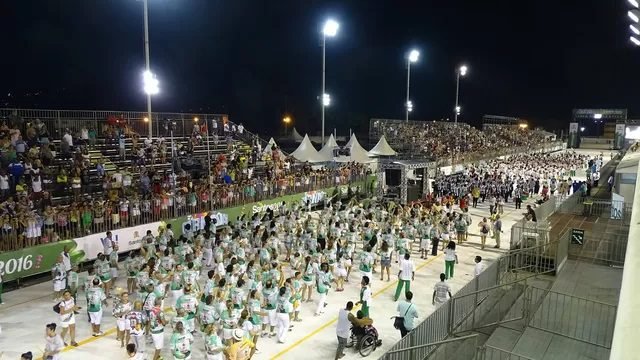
(366, 342)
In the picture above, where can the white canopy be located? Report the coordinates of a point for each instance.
(382, 148)
(295, 135)
(269, 145)
(358, 153)
(267, 153)
(326, 153)
(306, 151)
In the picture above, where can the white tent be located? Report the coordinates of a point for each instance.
(306, 151)
(382, 148)
(269, 146)
(358, 153)
(295, 135)
(326, 153)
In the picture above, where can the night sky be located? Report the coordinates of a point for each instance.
(257, 59)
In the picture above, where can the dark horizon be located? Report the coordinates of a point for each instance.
(257, 61)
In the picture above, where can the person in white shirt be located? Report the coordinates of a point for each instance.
(67, 317)
(68, 139)
(440, 291)
(450, 259)
(54, 343)
(66, 259)
(240, 128)
(343, 329)
(406, 274)
(479, 266)
(133, 354)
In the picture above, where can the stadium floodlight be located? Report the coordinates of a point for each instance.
(326, 100)
(582, 128)
(330, 28)
(151, 83)
(195, 119)
(409, 106)
(597, 116)
(458, 109)
(634, 29)
(414, 55)
(634, 3)
(635, 40)
(634, 15)
(462, 71)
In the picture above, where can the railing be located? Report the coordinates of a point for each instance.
(463, 347)
(525, 233)
(488, 352)
(574, 317)
(605, 244)
(69, 222)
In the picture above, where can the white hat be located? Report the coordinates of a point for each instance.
(238, 334)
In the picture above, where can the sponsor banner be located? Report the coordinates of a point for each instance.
(315, 197)
(617, 206)
(127, 239)
(36, 260)
(197, 221)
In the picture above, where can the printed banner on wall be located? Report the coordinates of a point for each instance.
(127, 239)
(36, 260)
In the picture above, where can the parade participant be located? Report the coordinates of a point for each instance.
(133, 354)
(68, 308)
(323, 285)
(309, 277)
(366, 262)
(59, 278)
(54, 343)
(103, 270)
(96, 299)
(113, 264)
(484, 231)
(440, 291)
(365, 296)
(385, 260)
(406, 274)
(283, 309)
(270, 298)
(189, 303)
(181, 342)
(229, 317)
(157, 323)
(240, 349)
(213, 346)
(450, 259)
(120, 310)
(132, 266)
(135, 333)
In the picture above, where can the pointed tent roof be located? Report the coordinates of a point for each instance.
(306, 151)
(295, 135)
(269, 145)
(326, 153)
(382, 148)
(358, 153)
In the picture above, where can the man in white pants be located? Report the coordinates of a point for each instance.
(283, 309)
(95, 300)
(323, 284)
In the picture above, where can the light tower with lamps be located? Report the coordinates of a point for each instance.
(411, 58)
(151, 83)
(461, 72)
(330, 29)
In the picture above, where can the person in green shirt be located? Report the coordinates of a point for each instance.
(73, 282)
(96, 298)
(365, 296)
(181, 342)
(157, 322)
(213, 346)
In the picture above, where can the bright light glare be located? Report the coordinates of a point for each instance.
(286, 120)
(330, 28)
(458, 109)
(582, 128)
(146, 119)
(409, 106)
(634, 29)
(414, 55)
(326, 100)
(634, 3)
(463, 70)
(523, 126)
(597, 116)
(195, 119)
(634, 15)
(635, 41)
(151, 84)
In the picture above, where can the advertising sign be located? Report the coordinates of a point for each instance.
(127, 239)
(573, 135)
(36, 260)
(619, 137)
(197, 221)
(617, 206)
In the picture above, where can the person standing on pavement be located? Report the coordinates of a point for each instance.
(479, 266)
(450, 259)
(406, 274)
(343, 329)
(54, 344)
(408, 312)
(365, 296)
(440, 291)
(497, 231)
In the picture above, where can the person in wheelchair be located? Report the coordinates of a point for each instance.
(360, 325)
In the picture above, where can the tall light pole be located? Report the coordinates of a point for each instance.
(411, 58)
(634, 15)
(149, 79)
(462, 71)
(330, 29)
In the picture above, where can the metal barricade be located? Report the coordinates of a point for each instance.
(577, 318)
(463, 347)
(488, 352)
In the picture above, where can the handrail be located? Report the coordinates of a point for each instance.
(467, 337)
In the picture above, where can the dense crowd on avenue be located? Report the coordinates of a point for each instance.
(52, 190)
(226, 290)
(445, 139)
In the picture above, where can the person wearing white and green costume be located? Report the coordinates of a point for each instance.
(157, 322)
(181, 342)
(95, 300)
(213, 345)
(229, 317)
(189, 304)
(323, 284)
(366, 262)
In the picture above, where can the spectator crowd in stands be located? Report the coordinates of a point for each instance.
(53, 190)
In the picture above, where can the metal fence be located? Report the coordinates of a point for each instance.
(603, 243)
(463, 347)
(577, 318)
(488, 352)
(525, 233)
